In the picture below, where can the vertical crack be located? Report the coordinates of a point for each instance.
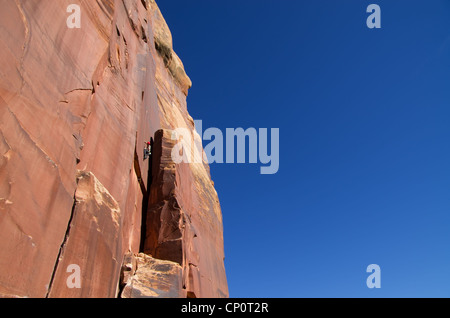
(145, 200)
(61, 249)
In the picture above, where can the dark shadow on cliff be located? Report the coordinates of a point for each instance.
(145, 199)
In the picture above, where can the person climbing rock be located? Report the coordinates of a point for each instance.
(148, 149)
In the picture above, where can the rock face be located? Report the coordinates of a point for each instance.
(183, 210)
(147, 277)
(76, 106)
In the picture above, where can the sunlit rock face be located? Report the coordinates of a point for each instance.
(76, 108)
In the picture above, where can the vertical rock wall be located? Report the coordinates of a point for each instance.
(76, 106)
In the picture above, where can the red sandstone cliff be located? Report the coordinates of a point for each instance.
(76, 106)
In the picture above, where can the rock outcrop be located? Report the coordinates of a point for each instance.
(183, 211)
(76, 107)
(146, 277)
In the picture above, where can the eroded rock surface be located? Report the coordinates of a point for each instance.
(76, 106)
(183, 216)
(147, 277)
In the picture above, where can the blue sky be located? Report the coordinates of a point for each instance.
(364, 141)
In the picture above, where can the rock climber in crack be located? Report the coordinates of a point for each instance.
(148, 149)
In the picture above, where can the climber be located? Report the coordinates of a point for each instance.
(148, 149)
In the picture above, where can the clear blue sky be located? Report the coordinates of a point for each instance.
(364, 118)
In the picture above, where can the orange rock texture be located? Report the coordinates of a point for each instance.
(76, 108)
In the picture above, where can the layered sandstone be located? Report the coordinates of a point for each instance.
(76, 106)
(147, 277)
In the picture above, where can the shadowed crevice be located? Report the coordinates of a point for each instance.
(145, 200)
